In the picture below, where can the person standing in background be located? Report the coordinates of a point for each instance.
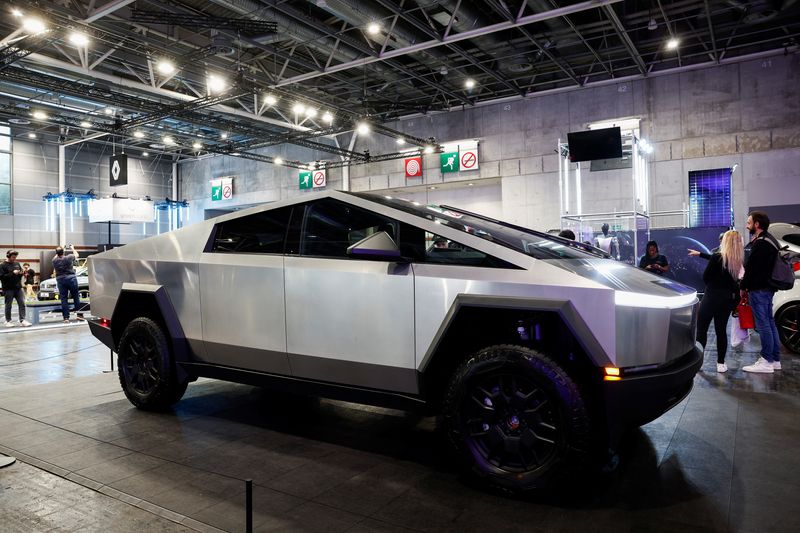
(11, 279)
(721, 294)
(29, 279)
(654, 262)
(67, 281)
(755, 283)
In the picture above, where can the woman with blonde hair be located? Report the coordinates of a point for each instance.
(721, 295)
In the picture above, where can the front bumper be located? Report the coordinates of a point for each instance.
(639, 398)
(101, 331)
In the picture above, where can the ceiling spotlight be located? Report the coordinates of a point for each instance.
(216, 84)
(432, 187)
(672, 44)
(78, 39)
(86, 124)
(31, 135)
(652, 25)
(145, 154)
(16, 12)
(39, 115)
(470, 83)
(169, 140)
(270, 99)
(428, 149)
(108, 111)
(165, 67)
(196, 145)
(33, 25)
(223, 135)
(277, 161)
(327, 117)
(298, 108)
(138, 134)
(401, 141)
(470, 184)
(362, 128)
(311, 112)
(373, 28)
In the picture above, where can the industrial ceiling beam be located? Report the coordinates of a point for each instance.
(107, 9)
(626, 40)
(462, 36)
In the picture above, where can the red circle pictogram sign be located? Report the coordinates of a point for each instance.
(319, 178)
(468, 160)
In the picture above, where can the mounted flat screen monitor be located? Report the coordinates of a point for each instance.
(594, 144)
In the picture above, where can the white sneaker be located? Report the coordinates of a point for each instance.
(722, 367)
(25, 323)
(776, 365)
(10, 324)
(762, 366)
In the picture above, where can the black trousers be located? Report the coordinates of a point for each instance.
(717, 304)
(14, 294)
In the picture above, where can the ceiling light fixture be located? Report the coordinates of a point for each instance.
(362, 128)
(270, 99)
(78, 39)
(16, 12)
(470, 83)
(138, 134)
(31, 135)
(401, 141)
(196, 145)
(86, 124)
(33, 25)
(108, 111)
(327, 117)
(145, 154)
(169, 140)
(652, 25)
(298, 108)
(277, 161)
(39, 115)
(216, 84)
(223, 135)
(311, 112)
(373, 28)
(428, 149)
(165, 67)
(673, 43)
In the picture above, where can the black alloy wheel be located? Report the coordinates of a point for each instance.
(146, 369)
(788, 322)
(516, 418)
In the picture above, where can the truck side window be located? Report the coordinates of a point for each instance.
(260, 233)
(331, 226)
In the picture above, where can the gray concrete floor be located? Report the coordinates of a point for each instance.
(725, 459)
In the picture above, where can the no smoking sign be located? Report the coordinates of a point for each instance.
(469, 158)
(227, 192)
(320, 178)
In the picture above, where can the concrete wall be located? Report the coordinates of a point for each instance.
(746, 113)
(35, 173)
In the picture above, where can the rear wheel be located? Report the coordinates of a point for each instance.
(516, 418)
(146, 369)
(788, 322)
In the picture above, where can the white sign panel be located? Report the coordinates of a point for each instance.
(468, 155)
(320, 178)
(121, 210)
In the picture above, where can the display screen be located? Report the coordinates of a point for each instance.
(594, 144)
(710, 198)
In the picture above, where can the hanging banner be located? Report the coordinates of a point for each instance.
(449, 161)
(413, 166)
(320, 178)
(468, 156)
(221, 189)
(121, 210)
(118, 170)
(305, 179)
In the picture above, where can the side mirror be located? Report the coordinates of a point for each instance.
(377, 247)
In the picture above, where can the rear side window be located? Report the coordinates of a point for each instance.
(260, 233)
(331, 227)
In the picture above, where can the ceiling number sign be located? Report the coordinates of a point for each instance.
(413, 166)
(468, 156)
(320, 178)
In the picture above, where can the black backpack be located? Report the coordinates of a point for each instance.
(782, 278)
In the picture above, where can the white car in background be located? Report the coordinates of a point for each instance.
(786, 304)
(48, 289)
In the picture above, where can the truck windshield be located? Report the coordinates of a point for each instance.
(530, 242)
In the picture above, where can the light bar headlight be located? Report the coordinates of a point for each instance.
(637, 299)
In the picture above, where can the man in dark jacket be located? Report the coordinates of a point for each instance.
(755, 285)
(11, 279)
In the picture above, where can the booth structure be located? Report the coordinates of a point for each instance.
(628, 229)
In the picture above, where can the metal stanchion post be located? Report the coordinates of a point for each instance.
(249, 505)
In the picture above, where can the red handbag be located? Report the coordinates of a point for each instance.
(745, 314)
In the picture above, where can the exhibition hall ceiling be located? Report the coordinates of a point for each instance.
(191, 77)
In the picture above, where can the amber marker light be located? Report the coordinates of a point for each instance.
(612, 374)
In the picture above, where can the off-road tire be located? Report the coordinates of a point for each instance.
(515, 418)
(146, 368)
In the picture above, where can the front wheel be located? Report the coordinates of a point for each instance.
(146, 369)
(788, 322)
(515, 418)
